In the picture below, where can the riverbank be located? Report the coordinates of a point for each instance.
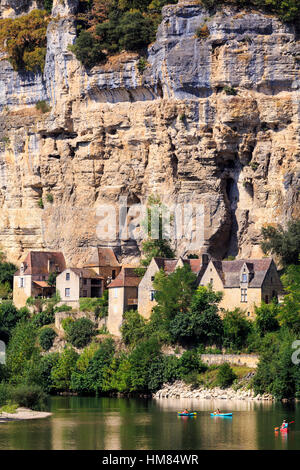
(179, 389)
(23, 414)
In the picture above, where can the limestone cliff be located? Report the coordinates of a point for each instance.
(172, 130)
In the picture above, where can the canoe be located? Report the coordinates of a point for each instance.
(221, 414)
(186, 414)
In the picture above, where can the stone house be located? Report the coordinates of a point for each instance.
(31, 279)
(74, 283)
(146, 299)
(122, 296)
(244, 283)
(146, 294)
(105, 263)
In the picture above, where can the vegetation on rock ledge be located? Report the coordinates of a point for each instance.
(24, 40)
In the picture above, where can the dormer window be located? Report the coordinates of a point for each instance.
(22, 268)
(244, 277)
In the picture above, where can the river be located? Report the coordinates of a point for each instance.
(83, 423)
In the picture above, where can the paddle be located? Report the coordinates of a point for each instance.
(276, 429)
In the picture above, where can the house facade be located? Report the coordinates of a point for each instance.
(123, 296)
(74, 283)
(146, 293)
(244, 283)
(31, 280)
(105, 263)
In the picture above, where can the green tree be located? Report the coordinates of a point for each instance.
(266, 317)
(289, 312)
(46, 338)
(7, 271)
(91, 379)
(52, 279)
(133, 327)
(283, 243)
(225, 376)
(21, 351)
(9, 317)
(236, 329)
(62, 371)
(88, 50)
(174, 294)
(141, 358)
(80, 332)
(201, 322)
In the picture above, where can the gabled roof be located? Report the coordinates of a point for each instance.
(36, 262)
(127, 277)
(230, 271)
(86, 273)
(168, 265)
(103, 257)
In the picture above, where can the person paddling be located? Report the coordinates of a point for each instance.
(217, 412)
(284, 424)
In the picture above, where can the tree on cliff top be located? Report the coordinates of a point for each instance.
(283, 243)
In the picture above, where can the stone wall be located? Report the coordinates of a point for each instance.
(248, 360)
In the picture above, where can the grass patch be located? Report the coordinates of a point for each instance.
(9, 408)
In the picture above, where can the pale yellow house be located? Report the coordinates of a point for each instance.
(74, 283)
(244, 283)
(31, 279)
(123, 296)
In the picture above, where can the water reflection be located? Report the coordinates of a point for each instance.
(107, 423)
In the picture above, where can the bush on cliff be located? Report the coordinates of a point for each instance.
(46, 338)
(24, 40)
(80, 332)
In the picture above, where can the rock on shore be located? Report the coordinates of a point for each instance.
(23, 414)
(181, 390)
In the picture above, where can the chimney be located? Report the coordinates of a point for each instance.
(205, 258)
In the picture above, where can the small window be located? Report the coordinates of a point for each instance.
(211, 282)
(152, 278)
(244, 277)
(115, 292)
(67, 276)
(248, 314)
(21, 282)
(67, 292)
(152, 295)
(243, 295)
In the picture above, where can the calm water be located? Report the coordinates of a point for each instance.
(129, 424)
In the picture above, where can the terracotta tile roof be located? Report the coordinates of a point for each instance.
(103, 257)
(126, 278)
(36, 262)
(230, 271)
(42, 284)
(86, 273)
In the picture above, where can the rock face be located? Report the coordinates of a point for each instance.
(171, 131)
